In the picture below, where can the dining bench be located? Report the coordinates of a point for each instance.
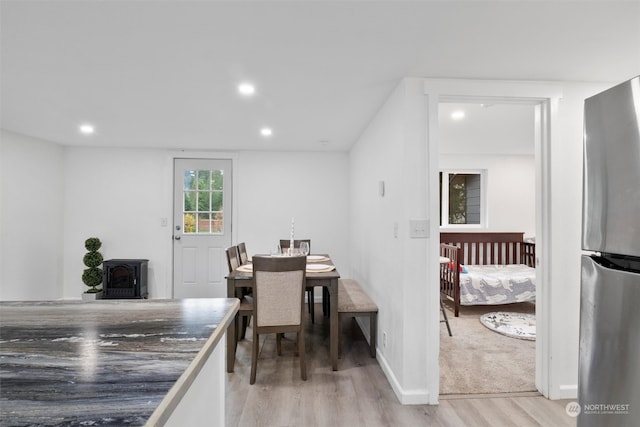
(354, 302)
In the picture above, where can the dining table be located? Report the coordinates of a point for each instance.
(316, 275)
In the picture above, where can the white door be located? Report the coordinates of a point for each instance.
(201, 227)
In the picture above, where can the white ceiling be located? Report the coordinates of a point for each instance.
(487, 129)
(163, 73)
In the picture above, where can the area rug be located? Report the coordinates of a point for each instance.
(514, 325)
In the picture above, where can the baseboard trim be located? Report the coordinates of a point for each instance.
(406, 397)
(566, 391)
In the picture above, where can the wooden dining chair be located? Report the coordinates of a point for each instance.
(233, 259)
(285, 244)
(278, 292)
(246, 301)
(242, 253)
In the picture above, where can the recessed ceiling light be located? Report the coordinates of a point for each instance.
(457, 115)
(86, 129)
(266, 132)
(246, 89)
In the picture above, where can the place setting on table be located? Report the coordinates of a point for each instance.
(315, 263)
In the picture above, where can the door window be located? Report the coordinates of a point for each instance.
(203, 210)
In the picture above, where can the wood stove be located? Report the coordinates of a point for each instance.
(124, 278)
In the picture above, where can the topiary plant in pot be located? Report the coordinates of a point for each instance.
(92, 275)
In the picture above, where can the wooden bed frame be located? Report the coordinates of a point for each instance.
(479, 248)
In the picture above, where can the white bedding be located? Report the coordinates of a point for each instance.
(497, 284)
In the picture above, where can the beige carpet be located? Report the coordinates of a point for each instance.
(478, 360)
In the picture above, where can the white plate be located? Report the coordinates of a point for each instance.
(313, 258)
(319, 267)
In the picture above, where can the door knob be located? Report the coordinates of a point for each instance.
(176, 237)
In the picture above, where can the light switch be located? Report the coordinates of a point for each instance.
(419, 228)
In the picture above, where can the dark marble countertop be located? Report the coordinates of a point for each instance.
(109, 362)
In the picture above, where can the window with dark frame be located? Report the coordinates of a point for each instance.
(460, 198)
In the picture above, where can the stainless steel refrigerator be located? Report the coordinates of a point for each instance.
(609, 367)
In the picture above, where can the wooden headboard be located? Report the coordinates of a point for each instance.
(481, 248)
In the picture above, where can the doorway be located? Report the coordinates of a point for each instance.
(545, 99)
(202, 216)
(494, 143)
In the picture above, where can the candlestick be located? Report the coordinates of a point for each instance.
(291, 244)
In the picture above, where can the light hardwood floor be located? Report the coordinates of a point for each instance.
(358, 394)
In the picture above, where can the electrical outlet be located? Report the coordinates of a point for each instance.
(384, 340)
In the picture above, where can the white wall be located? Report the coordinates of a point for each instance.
(391, 268)
(273, 187)
(31, 226)
(510, 188)
(120, 195)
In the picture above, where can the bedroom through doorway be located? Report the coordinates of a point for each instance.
(487, 164)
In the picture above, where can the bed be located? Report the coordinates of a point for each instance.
(487, 268)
